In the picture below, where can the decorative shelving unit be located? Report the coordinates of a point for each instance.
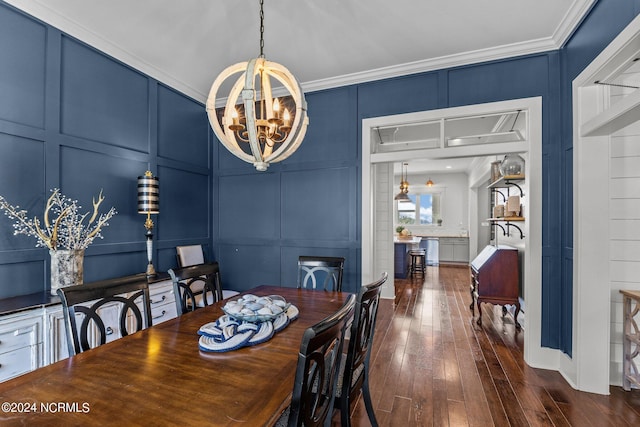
(631, 337)
(507, 223)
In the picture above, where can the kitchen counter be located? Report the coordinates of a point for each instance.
(413, 239)
(401, 259)
(444, 233)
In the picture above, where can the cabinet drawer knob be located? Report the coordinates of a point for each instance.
(109, 330)
(160, 315)
(164, 297)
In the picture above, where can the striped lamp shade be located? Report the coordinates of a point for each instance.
(148, 194)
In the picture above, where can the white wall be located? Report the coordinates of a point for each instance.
(383, 240)
(455, 201)
(624, 226)
(479, 202)
(482, 225)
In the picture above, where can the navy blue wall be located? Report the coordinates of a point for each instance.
(74, 118)
(310, 203)
(306, 205)
(605, 21)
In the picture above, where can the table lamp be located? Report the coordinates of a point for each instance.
(149, 203)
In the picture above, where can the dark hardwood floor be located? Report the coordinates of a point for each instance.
(433, 366)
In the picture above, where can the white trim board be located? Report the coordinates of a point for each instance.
(590, 365)
(535, 355)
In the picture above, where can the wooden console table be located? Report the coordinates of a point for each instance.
(631, 340)
(495, 279)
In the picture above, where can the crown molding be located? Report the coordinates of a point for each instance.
(443, 62)
(574, 16)
(570, 21)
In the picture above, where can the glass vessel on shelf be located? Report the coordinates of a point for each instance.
(512, 164)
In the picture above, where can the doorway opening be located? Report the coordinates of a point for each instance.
(378, 190)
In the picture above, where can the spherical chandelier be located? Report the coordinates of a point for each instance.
(256, 127)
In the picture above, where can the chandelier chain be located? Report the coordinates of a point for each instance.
(261, 28)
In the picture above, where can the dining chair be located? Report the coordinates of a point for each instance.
(189, 255)
(326, 271)
(355, 369)
(317, 370)
(89, 311)
(196, 286)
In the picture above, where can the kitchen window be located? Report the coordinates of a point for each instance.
(420, 209)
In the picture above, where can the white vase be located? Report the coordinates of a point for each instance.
(66, 268)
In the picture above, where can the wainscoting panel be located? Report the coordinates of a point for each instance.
(22, 74)
(400, 95)
(184, 205)
(114, 265)
(316, 203)
(249, 207)
(328, 134)
(182, 128)
(500, 80)
(22, 278)
(21, 184)
(243, 266)
(84, 173)
(101, 99)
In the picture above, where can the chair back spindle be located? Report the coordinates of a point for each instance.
(196, 286)
(318, 272)
(355, 376)
(89, 309)
(317, 371)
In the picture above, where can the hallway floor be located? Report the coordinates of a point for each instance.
(433, 366)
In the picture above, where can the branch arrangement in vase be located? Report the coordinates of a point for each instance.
(63, 226)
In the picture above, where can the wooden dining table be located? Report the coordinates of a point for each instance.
(159, 377)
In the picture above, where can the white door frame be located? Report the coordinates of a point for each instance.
(593, 124)
(377, 234)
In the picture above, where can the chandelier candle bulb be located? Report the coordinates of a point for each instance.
(286, 122)
(235, 121)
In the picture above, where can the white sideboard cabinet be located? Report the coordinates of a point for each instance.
(162, 301)
(21, 343)
(36, 336)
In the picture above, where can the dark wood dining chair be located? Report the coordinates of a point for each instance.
(355, 371)
(189, 255)
(89, 311)
(317, 372)
(320, 272)
(196, 286)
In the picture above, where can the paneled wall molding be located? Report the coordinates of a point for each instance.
(74, 118)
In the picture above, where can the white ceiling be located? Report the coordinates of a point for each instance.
(185, 44)
(324, 43)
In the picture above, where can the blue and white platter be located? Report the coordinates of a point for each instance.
(229, 333)
(252, 308)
